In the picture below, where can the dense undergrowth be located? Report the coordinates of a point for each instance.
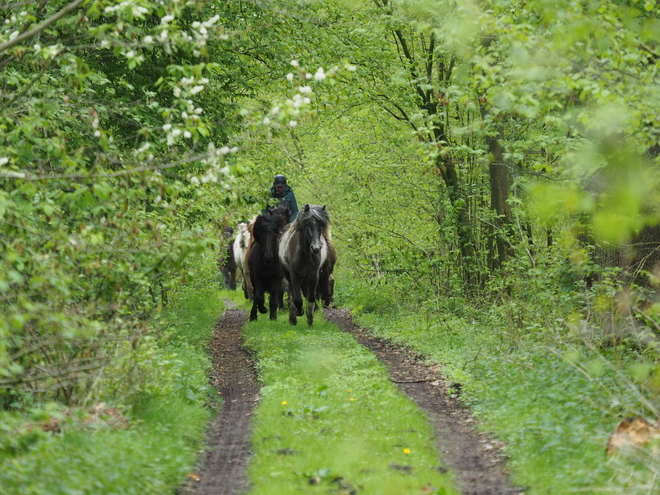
(141, 429)
(551, 378)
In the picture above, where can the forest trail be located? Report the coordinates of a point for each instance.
(476, 461)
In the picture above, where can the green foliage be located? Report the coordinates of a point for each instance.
(150, 440)
(553, 394)
(100, 203)
(328, 418)
(152, 457)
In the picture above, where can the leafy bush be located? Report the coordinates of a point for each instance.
(141, 428)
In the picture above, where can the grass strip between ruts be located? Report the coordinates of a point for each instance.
(329, 418)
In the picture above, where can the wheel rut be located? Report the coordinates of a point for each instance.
(476, 460)
(222, 468)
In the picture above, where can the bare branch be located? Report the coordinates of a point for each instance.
(36, 30)
(145, 168)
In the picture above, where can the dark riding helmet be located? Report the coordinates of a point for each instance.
(279, 180)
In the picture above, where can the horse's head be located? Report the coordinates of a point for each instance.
(243, 235)
(282, 211)
(265, 232)
(313, 221)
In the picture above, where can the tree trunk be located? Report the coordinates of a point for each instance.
(499, 194)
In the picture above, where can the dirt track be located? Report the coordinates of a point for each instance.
(476, 461)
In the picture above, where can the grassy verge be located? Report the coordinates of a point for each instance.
(141, 433)
(553, 401)
(329, 419)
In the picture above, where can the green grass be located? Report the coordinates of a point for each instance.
(554, 404)
(152, 456)
(330, 419)
(160, 388)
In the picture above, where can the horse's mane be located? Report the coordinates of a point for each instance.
(313, 212)
(270, 222)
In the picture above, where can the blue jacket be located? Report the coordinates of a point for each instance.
(286, 198)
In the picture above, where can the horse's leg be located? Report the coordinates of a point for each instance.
(253, 312)
(311, 300)
(244, 284)
(280, 299)
(232, 279)
(258, 296)
(260, 299)
(274, 300)
(249, 286)
(324, 288)
(295, 301)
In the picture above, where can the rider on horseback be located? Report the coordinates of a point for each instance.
(281, 191)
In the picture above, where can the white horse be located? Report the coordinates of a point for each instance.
(241, 244)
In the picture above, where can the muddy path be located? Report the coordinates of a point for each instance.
(476, 460)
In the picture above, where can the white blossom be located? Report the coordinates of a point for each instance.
(294, 63)
(148, 40)
(320, 74)
(194, 180)
(4, 160)
(289, 76)
(167, 127)
(305, 89)
(266, 121)
(187, 135)
(293, 123)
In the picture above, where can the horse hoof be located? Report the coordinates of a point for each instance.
(300, 313)
(293, 322)
(263, 310)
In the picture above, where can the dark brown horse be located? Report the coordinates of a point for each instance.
(226, 260)
(262, 260)
(308, 259)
